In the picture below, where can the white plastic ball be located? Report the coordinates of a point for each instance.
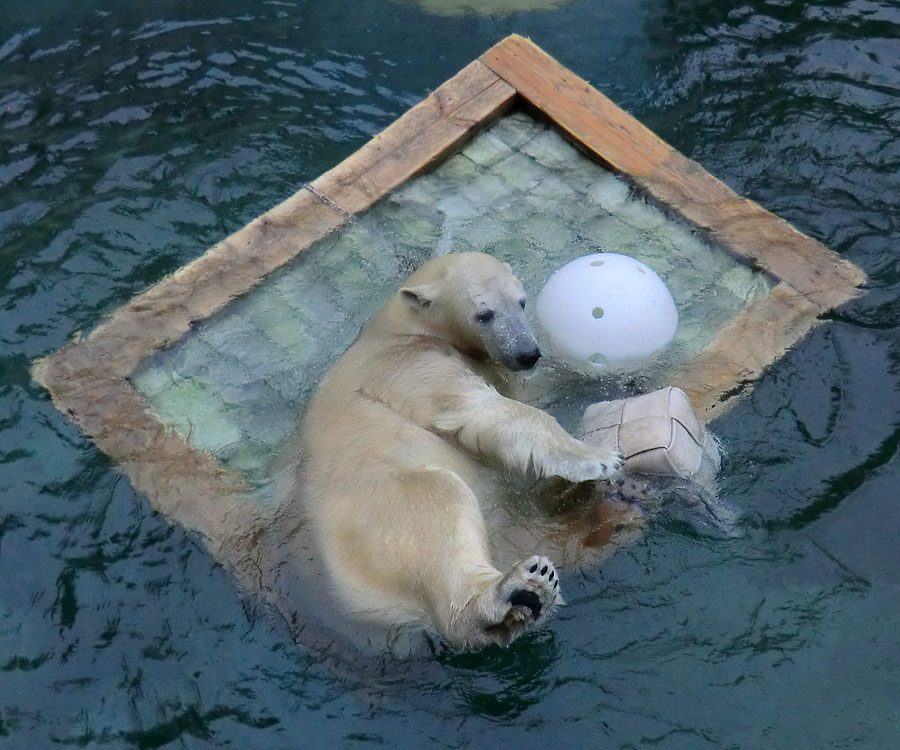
(607, 309)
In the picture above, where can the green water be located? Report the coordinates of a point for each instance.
(134, 136)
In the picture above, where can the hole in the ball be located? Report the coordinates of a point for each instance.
(642, 270)
(596, 262)
(597, 312)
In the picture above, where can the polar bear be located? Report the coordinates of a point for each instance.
(394, 449)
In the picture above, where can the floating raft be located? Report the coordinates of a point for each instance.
(114, 383)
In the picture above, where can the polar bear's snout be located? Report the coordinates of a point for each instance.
(514, 344)
(519, 354)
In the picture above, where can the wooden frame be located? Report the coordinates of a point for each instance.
(89, 378)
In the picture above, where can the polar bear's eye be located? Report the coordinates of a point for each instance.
(485, 316)
(522, 303)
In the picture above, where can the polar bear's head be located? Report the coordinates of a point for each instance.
(474, 302)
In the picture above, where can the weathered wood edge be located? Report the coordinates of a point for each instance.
(88, 379)
(181, 482)
(752, 233)
(617, 139)
(758, 335)
(433, 128)
(573, 105)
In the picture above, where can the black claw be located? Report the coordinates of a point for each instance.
(552, 574)
(556, 584)
(544, 571)
(532, 568)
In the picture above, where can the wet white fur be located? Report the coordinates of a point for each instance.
(395, 446)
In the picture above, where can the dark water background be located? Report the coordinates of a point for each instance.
(135, 135)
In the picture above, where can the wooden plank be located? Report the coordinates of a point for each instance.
(164, 313)
(438, 124)
(582, 112)
(617, 139)
(761, 333)
(183, 483)
(749, 231)
(87, 379)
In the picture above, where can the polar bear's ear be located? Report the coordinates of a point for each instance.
(419, 297)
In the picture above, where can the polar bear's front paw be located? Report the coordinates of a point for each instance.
(601, 465)
(531, 591)
(612, 464)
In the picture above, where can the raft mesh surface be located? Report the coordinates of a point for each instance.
(236, 385)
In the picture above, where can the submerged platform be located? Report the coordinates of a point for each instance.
(194, 386)
(236, 384)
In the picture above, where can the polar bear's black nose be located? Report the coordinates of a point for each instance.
(528, 359)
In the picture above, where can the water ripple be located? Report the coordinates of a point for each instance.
(133, 138)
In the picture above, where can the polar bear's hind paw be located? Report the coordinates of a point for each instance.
(531, 590)
(525, 598)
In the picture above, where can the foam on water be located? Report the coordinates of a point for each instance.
(236, 386)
